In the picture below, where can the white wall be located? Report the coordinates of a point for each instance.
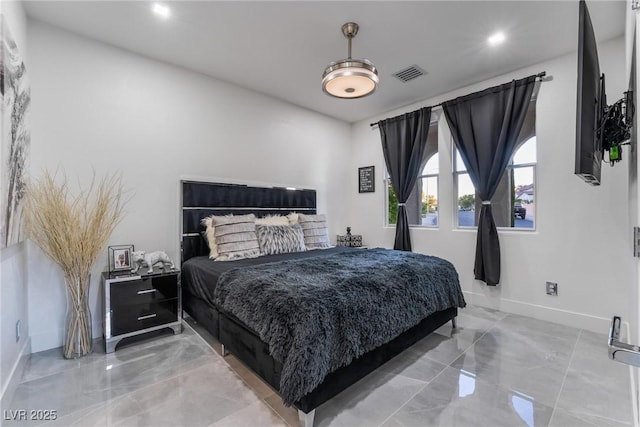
(582, 239)
(13, 272)
(96, 106)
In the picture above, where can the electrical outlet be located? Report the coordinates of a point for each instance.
(552, 288)
(18, 330)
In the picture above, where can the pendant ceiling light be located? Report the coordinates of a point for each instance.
(350, 78)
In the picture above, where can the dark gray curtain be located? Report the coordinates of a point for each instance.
(485, 128)
(404, 141)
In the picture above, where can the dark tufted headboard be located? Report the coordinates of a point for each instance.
(201, 199)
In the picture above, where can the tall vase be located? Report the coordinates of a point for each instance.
(78, 340)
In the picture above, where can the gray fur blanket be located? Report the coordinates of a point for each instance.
(319, 314)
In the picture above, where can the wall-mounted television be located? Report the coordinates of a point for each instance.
(599, 127)
(590, 102)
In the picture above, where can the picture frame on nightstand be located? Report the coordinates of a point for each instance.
(120, 259)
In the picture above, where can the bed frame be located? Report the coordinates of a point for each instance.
(200, 199)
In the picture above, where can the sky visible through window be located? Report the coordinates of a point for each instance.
(432, 165)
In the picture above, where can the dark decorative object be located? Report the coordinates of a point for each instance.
(351, 240)
(16, 138)
(485, 127)
(366, 179)
(404, 141)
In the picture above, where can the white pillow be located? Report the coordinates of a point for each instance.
(315, 230)
(232, 237)
(272, 220)
(293, 218)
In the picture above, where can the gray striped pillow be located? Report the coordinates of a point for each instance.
(314, 228)
(234, 236)
(280, 239)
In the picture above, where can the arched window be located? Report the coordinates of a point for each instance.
(513, 205)
(422, 205)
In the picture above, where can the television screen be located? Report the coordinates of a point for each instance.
(591, 102)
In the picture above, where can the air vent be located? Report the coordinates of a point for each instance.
(409, 73)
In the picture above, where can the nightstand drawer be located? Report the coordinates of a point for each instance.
(144, 291)
(132, 318)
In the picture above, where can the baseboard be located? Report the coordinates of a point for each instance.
(9, 388)
(564, 317)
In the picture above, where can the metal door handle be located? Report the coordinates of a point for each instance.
(147, 291)
(620, 351)
(149, 316)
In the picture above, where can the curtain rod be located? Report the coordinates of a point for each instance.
(538, 76)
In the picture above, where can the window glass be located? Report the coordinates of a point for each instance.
(422, 204)
(513, 205)
(430, 201)
(432, 166)
(459, 164)
(526, 153)
(466, 201)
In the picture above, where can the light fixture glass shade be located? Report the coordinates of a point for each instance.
(350, 78)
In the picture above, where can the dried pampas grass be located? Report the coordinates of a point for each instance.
(72, 230)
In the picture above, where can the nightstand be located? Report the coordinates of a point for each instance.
(137, 304)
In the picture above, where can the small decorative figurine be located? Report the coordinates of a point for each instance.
(144, 259)
(348, 231)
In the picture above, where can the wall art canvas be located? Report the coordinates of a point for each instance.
(16, 139)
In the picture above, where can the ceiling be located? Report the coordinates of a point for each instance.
(280, 48)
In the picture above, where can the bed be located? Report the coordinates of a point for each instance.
(312, 336)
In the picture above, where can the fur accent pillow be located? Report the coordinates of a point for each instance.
(272, 220)
(232, 237)
(293, 218)
(315, 230)
(210, 236)
(280, 239)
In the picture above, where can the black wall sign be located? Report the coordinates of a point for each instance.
(366, 179)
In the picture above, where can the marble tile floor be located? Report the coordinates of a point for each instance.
(495, 369)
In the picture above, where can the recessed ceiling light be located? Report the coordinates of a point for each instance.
(496, 39)
(161, 10)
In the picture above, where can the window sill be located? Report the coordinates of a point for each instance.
(416, 227)
(501, 230)
(504, 230)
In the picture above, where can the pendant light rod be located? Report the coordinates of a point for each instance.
(350, 29)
